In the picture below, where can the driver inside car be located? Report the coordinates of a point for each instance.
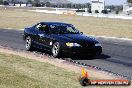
(44, 28)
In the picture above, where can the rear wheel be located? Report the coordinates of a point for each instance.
(29, 45)
(56, 49)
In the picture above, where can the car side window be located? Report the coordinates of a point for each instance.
(38, 26)
(43, 27)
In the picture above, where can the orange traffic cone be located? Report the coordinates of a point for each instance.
(84, 81)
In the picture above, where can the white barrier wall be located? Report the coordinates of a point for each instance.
(22, 5)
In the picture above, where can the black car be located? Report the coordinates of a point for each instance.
(60, 38)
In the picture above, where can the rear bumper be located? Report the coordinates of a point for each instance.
(83, 51)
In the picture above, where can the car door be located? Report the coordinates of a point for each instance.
(45, 38)
(36, 36)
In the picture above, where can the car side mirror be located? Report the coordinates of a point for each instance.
(81, 32)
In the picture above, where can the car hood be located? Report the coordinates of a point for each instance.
(78, 38)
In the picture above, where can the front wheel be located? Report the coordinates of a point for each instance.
(56, 49)
(29, 45)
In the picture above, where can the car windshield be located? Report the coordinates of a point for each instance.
(63, 29)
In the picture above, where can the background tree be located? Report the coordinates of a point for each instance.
(1, 1)
(5, 2)
(36, 3)
(13, 2)
(78, 6)
(29, 1)
(48, 4)
(69, 5)
(129, 1)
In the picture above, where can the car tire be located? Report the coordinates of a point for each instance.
(56, 50)
(29, 44)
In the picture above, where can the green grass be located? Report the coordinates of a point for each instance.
(18, 72)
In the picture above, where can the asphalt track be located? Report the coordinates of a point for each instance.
(116, 57)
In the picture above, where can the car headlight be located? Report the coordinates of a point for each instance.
(72, 44)
(97, 44)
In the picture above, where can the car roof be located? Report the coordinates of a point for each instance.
(49, 23)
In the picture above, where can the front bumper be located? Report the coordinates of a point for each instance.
(83, 50)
